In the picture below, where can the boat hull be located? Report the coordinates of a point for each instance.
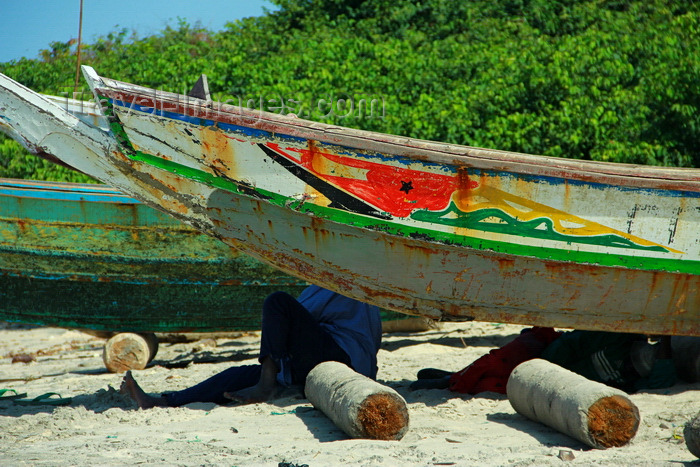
(418, 227)
(460, 283)
(87, 256)
(124, 307)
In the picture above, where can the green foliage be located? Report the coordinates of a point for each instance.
(15, 162)
(607, 80)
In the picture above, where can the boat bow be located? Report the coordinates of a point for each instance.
(439, 230)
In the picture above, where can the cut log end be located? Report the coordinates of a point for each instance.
(358, 405)
(383, 416)
(613, 421)
(129, 351)
(591, 412)
(412, 324)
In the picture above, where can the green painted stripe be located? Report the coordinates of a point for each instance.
(528, 229)
(344, 217)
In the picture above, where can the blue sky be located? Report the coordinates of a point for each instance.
(31, 25)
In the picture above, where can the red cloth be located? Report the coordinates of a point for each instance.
(491, 371)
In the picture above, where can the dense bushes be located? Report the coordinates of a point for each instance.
(609, 80)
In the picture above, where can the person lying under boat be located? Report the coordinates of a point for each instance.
(296, 336)
(626, 361)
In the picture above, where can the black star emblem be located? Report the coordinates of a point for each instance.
(406, 186)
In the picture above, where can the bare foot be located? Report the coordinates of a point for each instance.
(131, 388)
(266, 388)
(253, 394)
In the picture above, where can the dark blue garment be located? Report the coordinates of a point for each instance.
(213, 389)
(294, 338)
(354, 325)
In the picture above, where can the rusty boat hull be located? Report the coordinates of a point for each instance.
(443, 231)
(87, 256)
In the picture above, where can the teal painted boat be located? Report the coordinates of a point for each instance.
(418, 227)
(88, 256)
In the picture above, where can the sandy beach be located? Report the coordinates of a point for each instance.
(102, 427)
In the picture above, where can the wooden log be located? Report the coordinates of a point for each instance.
(359, 406)
(593, 413)
(412, 324)
(691, 433)
(129, 351)
(686, 356)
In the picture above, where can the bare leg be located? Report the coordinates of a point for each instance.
(264, 390)
(131, 388)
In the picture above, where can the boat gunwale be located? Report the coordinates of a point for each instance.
(56, 185)
(612, 173)
(66, 191)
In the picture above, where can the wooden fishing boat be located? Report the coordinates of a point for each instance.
(88, 256)
(419, 227)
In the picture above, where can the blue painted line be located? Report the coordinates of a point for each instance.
(202, 122)
(68, 196)
(404, 159)
(58, 186)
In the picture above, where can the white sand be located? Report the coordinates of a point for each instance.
(101, 427)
